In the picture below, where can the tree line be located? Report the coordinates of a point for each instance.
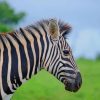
(9, 18)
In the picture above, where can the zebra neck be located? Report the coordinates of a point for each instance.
(23, 54)
(21, 58)
(34, 47)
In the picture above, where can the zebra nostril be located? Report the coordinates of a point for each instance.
(78, 80)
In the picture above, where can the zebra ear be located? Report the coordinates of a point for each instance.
(54, 29)
(65, 29)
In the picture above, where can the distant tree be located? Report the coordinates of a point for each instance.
(98, 56)
(8, 17)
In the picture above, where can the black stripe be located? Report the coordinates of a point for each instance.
(43, 46)
(42, 43)
(23, 58)
(31, 69)
(0, 96)
(49, 54)
(37, 55)
(5, 70)
(36, 50)
(57, 66)
(47, 40)
(55, 59)
(54, 66)
(73, 61)
(14, 65)
(66, 71)
(30, 53)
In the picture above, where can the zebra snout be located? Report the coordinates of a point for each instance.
(74, 87)
(78, 81)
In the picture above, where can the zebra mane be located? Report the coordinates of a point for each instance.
(63, 27)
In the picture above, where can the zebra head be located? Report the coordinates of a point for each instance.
(60, 61)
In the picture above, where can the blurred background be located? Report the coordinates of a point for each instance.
(84, 17)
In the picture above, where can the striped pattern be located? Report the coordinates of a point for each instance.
(25, 51)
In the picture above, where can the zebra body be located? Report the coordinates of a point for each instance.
(26, 51)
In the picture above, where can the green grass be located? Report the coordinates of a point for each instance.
(44, 86)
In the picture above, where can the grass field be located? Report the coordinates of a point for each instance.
(44, 86)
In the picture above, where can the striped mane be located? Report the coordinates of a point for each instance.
(62, 26)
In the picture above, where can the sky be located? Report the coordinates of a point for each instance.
(82, 15)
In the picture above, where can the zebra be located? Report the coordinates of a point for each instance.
(43, 45)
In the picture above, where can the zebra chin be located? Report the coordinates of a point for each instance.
(74, 86)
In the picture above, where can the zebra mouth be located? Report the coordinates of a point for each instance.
(68, 86)
(74, 86)
(71, 87)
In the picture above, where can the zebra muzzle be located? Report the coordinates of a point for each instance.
(74, 87)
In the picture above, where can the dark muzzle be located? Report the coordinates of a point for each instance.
(74, 87)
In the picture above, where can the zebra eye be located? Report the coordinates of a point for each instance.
(66, 52)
